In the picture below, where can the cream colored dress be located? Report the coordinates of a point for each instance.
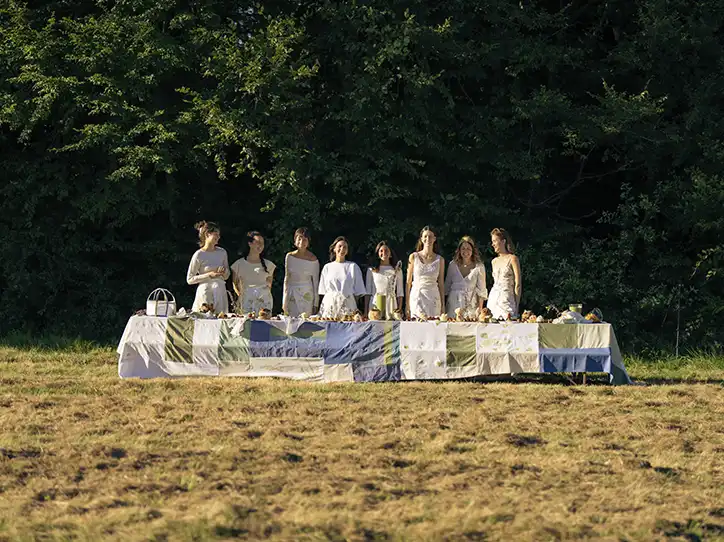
(465, 292)
(255, 291)
(424, 293)
(301, 282)
(384, 287)
(339, 284)
(210, 290)
(501, 301)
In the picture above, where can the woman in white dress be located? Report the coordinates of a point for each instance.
(384, 283)
(340, 282)
(252, 277)
(465, 282)
(504, 299)
(209, 269)
(425, 278)
(301, 277)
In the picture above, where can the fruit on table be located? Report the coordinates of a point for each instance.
(592, 318)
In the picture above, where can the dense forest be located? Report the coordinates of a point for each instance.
(591, 130)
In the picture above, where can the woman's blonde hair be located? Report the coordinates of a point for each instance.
(205, 228)
(458, 258)
(505, 236)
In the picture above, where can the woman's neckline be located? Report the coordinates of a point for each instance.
(303, 259)
(470, 269)
(419, 255)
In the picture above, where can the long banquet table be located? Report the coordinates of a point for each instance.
(372, 351)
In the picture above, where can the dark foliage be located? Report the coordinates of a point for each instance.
(591, 130)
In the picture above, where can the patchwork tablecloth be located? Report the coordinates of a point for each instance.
(362, 351)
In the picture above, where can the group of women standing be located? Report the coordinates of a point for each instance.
(340, 282)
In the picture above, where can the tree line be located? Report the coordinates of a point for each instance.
(590, 130)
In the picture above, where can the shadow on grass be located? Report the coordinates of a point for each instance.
(564, 379)
(51, 343)
(660, 381)
(591, 379)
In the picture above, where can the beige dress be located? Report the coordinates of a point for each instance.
(254, 282)
(209, 290)
(465, 293)
(501, 301)
(301, 282)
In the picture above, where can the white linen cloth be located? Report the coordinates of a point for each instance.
(301, 282)
(339, 283)
(210, 290)
(465, 292)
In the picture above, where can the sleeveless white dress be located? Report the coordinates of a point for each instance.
(424, 293)
(465, 292)
(501, 301)
(301, 282)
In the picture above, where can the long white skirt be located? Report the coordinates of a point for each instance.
(212, 292)
(255, 298)
(425, 301)
(300, 299)
(501, 303)
(461, 299)
(336, 304)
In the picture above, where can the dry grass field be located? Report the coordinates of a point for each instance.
(86, 456)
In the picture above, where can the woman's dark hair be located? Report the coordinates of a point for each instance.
(250, 239)
(435, 246)
(334, 243)
(304, 232)
(204, 228)
(394, 262)
(458, 259)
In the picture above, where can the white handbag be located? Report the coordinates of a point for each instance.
(160, 302)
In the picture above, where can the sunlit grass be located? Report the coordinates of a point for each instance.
(87, 456)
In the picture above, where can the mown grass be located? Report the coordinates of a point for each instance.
(86, 456)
